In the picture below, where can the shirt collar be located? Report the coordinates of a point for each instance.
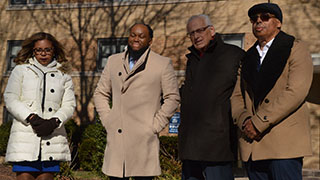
(266, 47)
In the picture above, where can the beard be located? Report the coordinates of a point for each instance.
(136, 54)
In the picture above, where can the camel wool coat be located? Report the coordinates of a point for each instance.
(143, 100)
(282, 115)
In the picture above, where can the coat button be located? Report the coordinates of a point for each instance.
(52, 90)
(48, 143)
(266, 101)
(120, 73)
(265, 117)
(50, 158)
(52, 75)
(50, 109)
(119, 131)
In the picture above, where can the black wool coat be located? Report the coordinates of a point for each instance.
(206, 132)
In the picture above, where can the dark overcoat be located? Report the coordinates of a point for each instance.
(206, 132)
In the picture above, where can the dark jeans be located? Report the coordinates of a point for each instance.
(135, 178)
(275, 169)
(200, 170)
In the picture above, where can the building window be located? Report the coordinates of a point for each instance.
(316, 59)
(235, 39)
(6, 115)
(19, 2)
(14, 47)
(107, 47)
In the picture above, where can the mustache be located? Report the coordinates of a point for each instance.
(259, 25)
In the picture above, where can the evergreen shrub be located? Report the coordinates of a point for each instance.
(91, 150)
(4, 134)
(170, 164)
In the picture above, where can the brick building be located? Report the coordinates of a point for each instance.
(91, 30)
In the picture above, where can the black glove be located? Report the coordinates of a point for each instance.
(47, 127)
(34, 120)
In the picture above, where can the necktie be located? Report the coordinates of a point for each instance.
(258, 65)
(132, 62)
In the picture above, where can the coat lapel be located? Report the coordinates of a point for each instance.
(138, 67)
(125, 62)
(249, 69)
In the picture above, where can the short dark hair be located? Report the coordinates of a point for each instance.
(146, 25)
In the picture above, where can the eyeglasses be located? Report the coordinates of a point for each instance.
(38, 51)
(199, 31)
(263, 16)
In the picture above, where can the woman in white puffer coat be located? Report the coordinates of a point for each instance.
(40, 96)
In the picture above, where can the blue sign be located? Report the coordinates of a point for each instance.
(174, 123)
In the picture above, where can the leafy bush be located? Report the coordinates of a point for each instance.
(4, 134)
(66, 168)
(72, 129)
(74, 138)
(92, 147)
(66, 172)
(170, 165)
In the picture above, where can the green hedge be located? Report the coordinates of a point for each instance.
(170, 165)
(92, 147)
(4, 134)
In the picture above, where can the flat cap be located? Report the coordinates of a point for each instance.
(266, 8)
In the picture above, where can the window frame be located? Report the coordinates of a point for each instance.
(26, 2)
(10, 56)
(233, 36)
(315, 59)
(118, 42)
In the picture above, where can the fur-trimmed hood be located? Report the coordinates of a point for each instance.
(65, 67)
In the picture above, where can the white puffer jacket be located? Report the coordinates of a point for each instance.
(48, 92)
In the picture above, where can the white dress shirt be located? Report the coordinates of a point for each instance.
(263, 52)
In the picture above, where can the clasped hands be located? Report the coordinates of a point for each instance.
(250, 131)
(43, 127)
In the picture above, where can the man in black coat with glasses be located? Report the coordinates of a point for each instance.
(207, 140)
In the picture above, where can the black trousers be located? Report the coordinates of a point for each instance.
(201, 170)
(275, 169)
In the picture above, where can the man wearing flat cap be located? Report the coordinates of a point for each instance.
(268, 103)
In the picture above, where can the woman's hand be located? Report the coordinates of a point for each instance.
(47, 127)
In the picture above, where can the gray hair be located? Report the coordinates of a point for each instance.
(202, 16)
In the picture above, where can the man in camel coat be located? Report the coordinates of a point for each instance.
(268, 103)
(143, 89)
